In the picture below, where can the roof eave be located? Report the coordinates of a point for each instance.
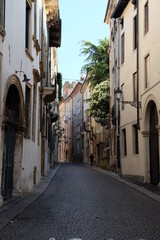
(119, 9)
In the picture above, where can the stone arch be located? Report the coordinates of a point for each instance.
(151, 140)
(13, 80)
(12, 137)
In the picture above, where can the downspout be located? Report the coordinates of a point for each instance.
(119, 157)
(138, 124)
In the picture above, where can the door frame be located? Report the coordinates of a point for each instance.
(19, 134)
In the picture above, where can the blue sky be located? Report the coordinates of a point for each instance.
(81, 20)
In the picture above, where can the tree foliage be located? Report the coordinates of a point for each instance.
(96, 62)
(96, 69)
(99, 103)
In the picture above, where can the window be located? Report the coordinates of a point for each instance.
(124, 142)
(122, 49)
(38, 128)
(146, 18)
(115, 135)
(135, 35)
(135, 140)
(135, 86)
(35, 18)
(34, 111)
(78, 107)
(122, 89)
(147, 79)
(122, 23)
(2, 13)
(115, 60)
(27, 111)
(28, 22)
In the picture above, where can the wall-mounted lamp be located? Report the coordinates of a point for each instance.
(24, 75)
(118, 93)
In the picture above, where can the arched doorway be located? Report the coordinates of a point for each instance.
(12, 116)
(13, 128)
(153, 144)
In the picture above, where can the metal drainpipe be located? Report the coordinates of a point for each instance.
(41, 76)
(138, 124)
(118, 105)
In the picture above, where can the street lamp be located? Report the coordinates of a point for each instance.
(24, 75)
(118, 93)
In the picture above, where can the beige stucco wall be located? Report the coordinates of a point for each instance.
(86, 139)
(138, 165)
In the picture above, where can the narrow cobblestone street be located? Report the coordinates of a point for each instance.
(83, 203)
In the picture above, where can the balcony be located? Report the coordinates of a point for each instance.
(49, 94)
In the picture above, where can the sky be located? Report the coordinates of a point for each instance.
(81, 20)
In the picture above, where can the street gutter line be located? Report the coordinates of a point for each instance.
(140, 189)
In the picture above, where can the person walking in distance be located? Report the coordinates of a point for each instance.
(91, 159)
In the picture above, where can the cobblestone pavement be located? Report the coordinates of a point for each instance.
(82, 203)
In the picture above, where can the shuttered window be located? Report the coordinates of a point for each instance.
(147, 77)
(122, 48)
(135, 87)
(146, 18)
(28, 26)
(135, 34)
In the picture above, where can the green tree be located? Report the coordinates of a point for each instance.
(96, 65)
(99, 103)
(97, 71)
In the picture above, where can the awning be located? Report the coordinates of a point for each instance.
(49, 94)
(121, 5)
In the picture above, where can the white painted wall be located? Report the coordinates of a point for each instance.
(15, 58)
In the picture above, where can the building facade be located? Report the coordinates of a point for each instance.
(139, 85)
(95, 138)
(27, 86)
(71, 115)
(85, 90)
(114, 84)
